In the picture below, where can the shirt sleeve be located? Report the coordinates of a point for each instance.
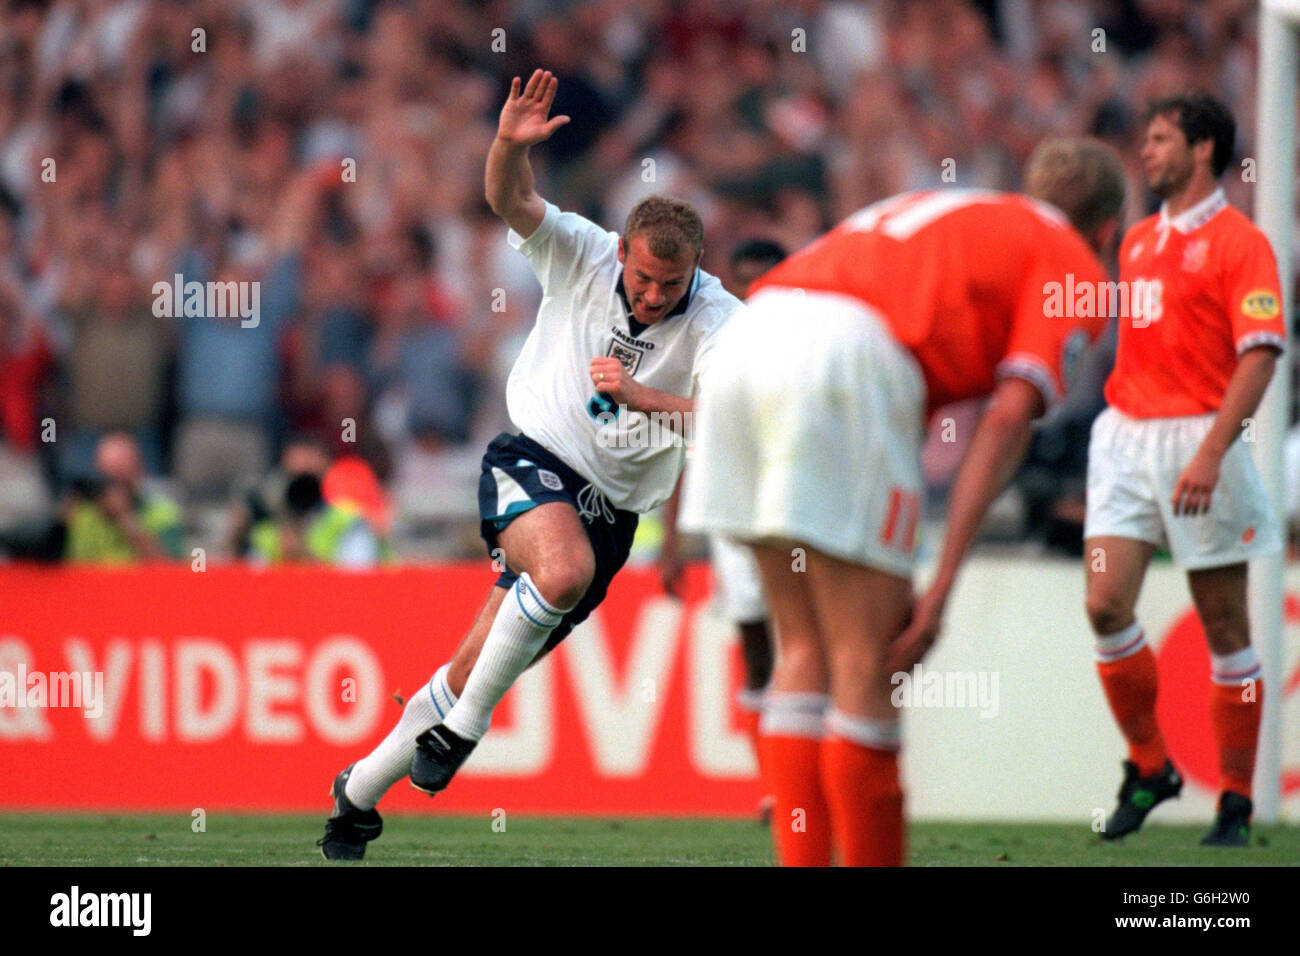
(1253, 294)
(705, 349)
(562, 245)
(1043, 348)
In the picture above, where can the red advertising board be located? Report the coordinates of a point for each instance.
(234, 688)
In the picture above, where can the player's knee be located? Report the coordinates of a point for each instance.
(563, 584)
(859, 669)
(803, 667)
(1226, 630)
(1108, 613)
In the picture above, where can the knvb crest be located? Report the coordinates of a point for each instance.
(1194, 255)
(628, 356)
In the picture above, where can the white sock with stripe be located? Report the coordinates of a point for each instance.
(865, 731)
(793, 714)
(1235, 668)
(388, 763)
(1121, 644)
(518, 633)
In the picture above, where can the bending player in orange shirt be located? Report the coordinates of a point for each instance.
(809, 430)
(1196, 352)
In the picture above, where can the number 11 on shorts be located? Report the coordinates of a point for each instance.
(899, 530)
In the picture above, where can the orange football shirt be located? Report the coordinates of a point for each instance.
(1210, 292)
(965, 280)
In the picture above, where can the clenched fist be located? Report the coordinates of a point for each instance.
(612, 379)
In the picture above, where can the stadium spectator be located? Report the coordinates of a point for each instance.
(114, 517)
(305, 528)
(118, 359)
(301, 454)
(186, 154)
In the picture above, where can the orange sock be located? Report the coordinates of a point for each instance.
(1235, 711)
(1130, 686)
(866, 802)
(801, 822)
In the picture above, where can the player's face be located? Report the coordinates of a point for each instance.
(1166, 157)
(653, 286)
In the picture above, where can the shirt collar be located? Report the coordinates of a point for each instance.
(1189, 220)
(679, 309)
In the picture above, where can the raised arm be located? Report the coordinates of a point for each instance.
(509, 177)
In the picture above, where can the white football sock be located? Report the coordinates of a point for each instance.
(1121, 644)
(864, 731)
(793, 714)
(1235, 668)
(750, 700)
(519, 631)
(388, 763)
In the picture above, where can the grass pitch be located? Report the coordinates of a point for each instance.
(79, 840)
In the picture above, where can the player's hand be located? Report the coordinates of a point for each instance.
(920, 633)
(670, 565)
(612, 379)
(1196, 485)
(524, 117)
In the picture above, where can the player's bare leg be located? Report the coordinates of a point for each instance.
(548, 547)
(860, 610)
(790, 732)
(1127, 668)
(756, 653)
(467, 651)
(1236, 697)
(1115, 569)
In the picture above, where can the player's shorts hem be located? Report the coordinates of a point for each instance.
(769, 535)
(1223, 559)
(1126, 533)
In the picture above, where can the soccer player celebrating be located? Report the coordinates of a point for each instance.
(808, 444)
(1195, 355)
(625, 326)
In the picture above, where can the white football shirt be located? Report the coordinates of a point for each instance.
(550, 396)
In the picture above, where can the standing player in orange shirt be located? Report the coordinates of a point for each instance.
(1196, 353)
(809, 429)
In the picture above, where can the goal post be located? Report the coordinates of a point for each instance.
(1275, 196)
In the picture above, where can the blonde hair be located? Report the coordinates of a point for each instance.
(669, 225)
(1081, 176)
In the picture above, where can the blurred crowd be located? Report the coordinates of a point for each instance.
(331, 152)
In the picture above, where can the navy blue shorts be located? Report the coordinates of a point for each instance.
(519, 474)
